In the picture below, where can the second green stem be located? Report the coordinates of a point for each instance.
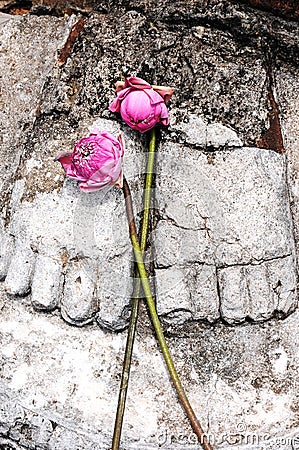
(156, 322)
(136, 296)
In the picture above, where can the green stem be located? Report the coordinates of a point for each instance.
(136, 296)
(156, 322)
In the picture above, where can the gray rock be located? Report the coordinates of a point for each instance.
(79, 302)
(222, 222)
(229, 212)
(6, 246)
(187, 293)
(20, 272)
(21, 88)
(258, 292)
(224, 241)
(47, 283)
(173, 288)
(221, 136)
(10, 413)
(287, 87)
(4, 18)
(204, 292)
(61, 383)
(69, 226)
(191, 129)
(115, 287)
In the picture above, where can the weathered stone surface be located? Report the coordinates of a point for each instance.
(224, 234)
(59, 385)
(114, 290)
(80, 301)
(69, 229)
(284, 8)
(191, 129)
(25, 69)
(55, 224)
(187, 294)
(258, 292)
(287, 85)
(20, 271)
(47, 283)
(6, 246)
(230, 212)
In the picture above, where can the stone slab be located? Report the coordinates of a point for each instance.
(59, 384)
(228, 210)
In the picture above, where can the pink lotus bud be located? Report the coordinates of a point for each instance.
(141, 105)
(96, 161)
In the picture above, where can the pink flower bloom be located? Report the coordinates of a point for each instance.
(141, 105)
(96, 161)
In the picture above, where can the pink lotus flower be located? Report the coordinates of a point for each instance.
(96, 161)
(141, 105)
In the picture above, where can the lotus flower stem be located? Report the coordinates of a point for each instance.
(156, 322)
(136, 296)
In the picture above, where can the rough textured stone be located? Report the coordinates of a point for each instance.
(221, 224)
(59, 384)
(258, 292)
(284, 8)
(46, 283)
(80, 301)
(6, 246)
(55, 225)
(288, 93)
(229, 211)
(191, 129)
(20, 271)
(26, 70)
(189, 294)
(84, 260)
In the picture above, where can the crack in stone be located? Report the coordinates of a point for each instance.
(168, 219)
(225, 266)
(254, 262)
